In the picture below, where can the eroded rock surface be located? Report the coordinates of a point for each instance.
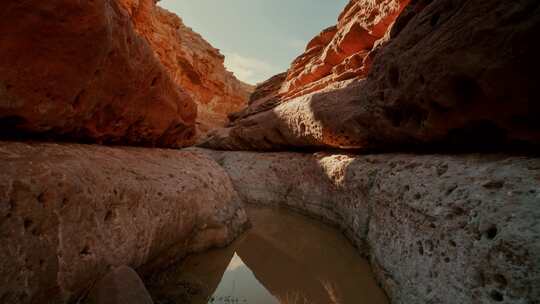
(452, 74)
(70, 213)
(191, 62)
(78, 70)
(437, 228)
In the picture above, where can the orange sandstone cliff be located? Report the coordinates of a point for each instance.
(111, 72)
(343, 51)
(191, 62)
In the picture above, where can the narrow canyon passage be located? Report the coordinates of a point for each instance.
(283, 258)
(306, 151)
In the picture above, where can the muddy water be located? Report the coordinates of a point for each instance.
(284, 258)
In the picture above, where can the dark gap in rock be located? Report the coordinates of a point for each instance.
(492, 232)
(393, 76)
(496, 296)
(108, 216)
(500, 280)
(77, 101)
(466, 89)
(154, 81)
(27, 223)
(435, 19)
(85, 251)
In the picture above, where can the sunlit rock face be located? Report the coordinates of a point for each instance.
(343, 51)
(441, 74)
(77, 70)
(191, 62)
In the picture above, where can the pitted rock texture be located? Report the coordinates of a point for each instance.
(77, 70)
(437, 228)
(452, 74)
(191, 62)
(70, 213)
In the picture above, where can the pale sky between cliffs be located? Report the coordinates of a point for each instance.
(259, 38)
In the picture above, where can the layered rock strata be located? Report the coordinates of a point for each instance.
(437, 228)
(69, 213)
(191, 62)
(343, 51)
(451, 74)
(77, 70)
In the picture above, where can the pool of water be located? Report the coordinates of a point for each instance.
(284, 258)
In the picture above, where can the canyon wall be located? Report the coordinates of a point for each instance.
(111, 72)
(78, 71)
(437, 228)
(443, 74)
(191, 62)
(70, 213)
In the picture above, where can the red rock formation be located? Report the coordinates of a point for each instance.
(77, 70)
(192, 63)
(450, 74)
(343, 51)
(110, 71)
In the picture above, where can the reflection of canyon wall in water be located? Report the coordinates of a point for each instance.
(290, 256)
(295, 255)
(192, 281)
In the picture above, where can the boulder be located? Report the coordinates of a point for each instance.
(71, 213)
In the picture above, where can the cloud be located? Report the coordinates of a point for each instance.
(248, 69)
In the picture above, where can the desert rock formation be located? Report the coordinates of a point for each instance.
(79, 71)
(449, 74)
(191, 62)
(437, 228)
(69, 213)
(392, 75)
(111, 72)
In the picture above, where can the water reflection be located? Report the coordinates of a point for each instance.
(285, 258)
(239, 285)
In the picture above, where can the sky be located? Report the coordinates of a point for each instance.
(259, 38)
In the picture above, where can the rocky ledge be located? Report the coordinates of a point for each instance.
(70, 213)
(446, 74)
(437, 228)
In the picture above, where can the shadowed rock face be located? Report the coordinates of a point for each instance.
(191, 62)
(450, 73)
(69, 213)
(112, 72)
(77, 70)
